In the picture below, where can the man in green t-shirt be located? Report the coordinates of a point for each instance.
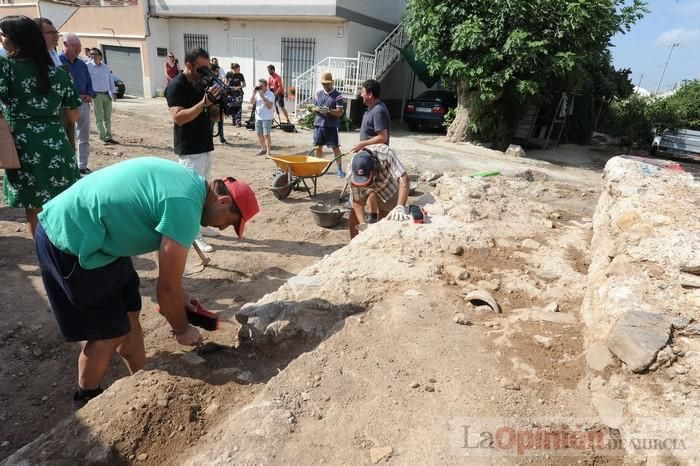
(87, 235)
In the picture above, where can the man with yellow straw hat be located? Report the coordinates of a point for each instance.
(329, 105)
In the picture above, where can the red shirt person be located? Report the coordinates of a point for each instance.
(274, 83)
(171, 68)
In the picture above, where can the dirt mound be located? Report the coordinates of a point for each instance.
(373, 352)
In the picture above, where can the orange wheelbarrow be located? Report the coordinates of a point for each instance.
(293, 171)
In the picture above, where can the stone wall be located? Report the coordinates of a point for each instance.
(643, 298)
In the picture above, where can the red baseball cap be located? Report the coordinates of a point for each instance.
(245, 200)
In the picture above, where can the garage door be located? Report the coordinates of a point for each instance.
(243, 51)
(125, 62)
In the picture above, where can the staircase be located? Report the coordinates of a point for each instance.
(350, 73)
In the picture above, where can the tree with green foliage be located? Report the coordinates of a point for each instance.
(631, 119)
(597, 84)
(628, 120)
(680, 110)
(504, 53)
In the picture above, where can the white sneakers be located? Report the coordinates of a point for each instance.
(208, 231)
(203, 245)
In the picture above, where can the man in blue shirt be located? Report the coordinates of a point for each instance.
(81, 79)
(375, 129)
(376, 122)
(328, 106)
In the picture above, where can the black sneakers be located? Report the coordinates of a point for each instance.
(81, 397)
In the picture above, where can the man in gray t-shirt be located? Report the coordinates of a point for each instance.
(376, 122)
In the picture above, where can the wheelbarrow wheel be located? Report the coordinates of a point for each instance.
(281, 186)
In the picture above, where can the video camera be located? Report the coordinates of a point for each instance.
(210, 80)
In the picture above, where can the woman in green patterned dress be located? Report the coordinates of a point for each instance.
(31, 92)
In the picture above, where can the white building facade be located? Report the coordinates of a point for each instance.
(291, 35)
(354, 39)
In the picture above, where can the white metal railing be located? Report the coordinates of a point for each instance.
(349, 73)
(387, 52)
(365, 68)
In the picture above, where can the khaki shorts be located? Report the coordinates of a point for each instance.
(385, 207)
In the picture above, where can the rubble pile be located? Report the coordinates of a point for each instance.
(388, 348)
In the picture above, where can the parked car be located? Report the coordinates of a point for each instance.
(428, 109)
(683, 143)
(119, 84)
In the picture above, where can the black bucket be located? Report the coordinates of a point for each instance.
(326, 216)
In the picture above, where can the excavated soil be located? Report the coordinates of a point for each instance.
(346, 388)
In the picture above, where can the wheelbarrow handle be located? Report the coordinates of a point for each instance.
(341, 155)
(312, 152)
(331, 163)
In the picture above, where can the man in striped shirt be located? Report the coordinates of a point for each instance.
(328, 107)
(377, 170)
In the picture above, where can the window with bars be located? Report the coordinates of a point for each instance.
(196, 40)
(297, 57)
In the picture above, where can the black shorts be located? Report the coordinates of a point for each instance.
(326, 136)
(279, 100)
(88, 304)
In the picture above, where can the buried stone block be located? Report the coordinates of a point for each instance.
(273, 323)
(598, 356)
(611, 411)
(429, 176)
(689, 280)
(637, 337)
(461, 319)
(691, 330)
(456, 272)
(680, 322)
(380, 454)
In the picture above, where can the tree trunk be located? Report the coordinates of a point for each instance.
(459, 129)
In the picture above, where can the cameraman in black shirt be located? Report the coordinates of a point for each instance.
(236, 81)
(192, 111)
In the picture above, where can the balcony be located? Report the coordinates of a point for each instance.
(386, 13)
(96, 2)
(298, 10)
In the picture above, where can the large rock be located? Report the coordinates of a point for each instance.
(637, 337)
(515, 150)
(611, 412)
(275, 322)
(598, 356)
